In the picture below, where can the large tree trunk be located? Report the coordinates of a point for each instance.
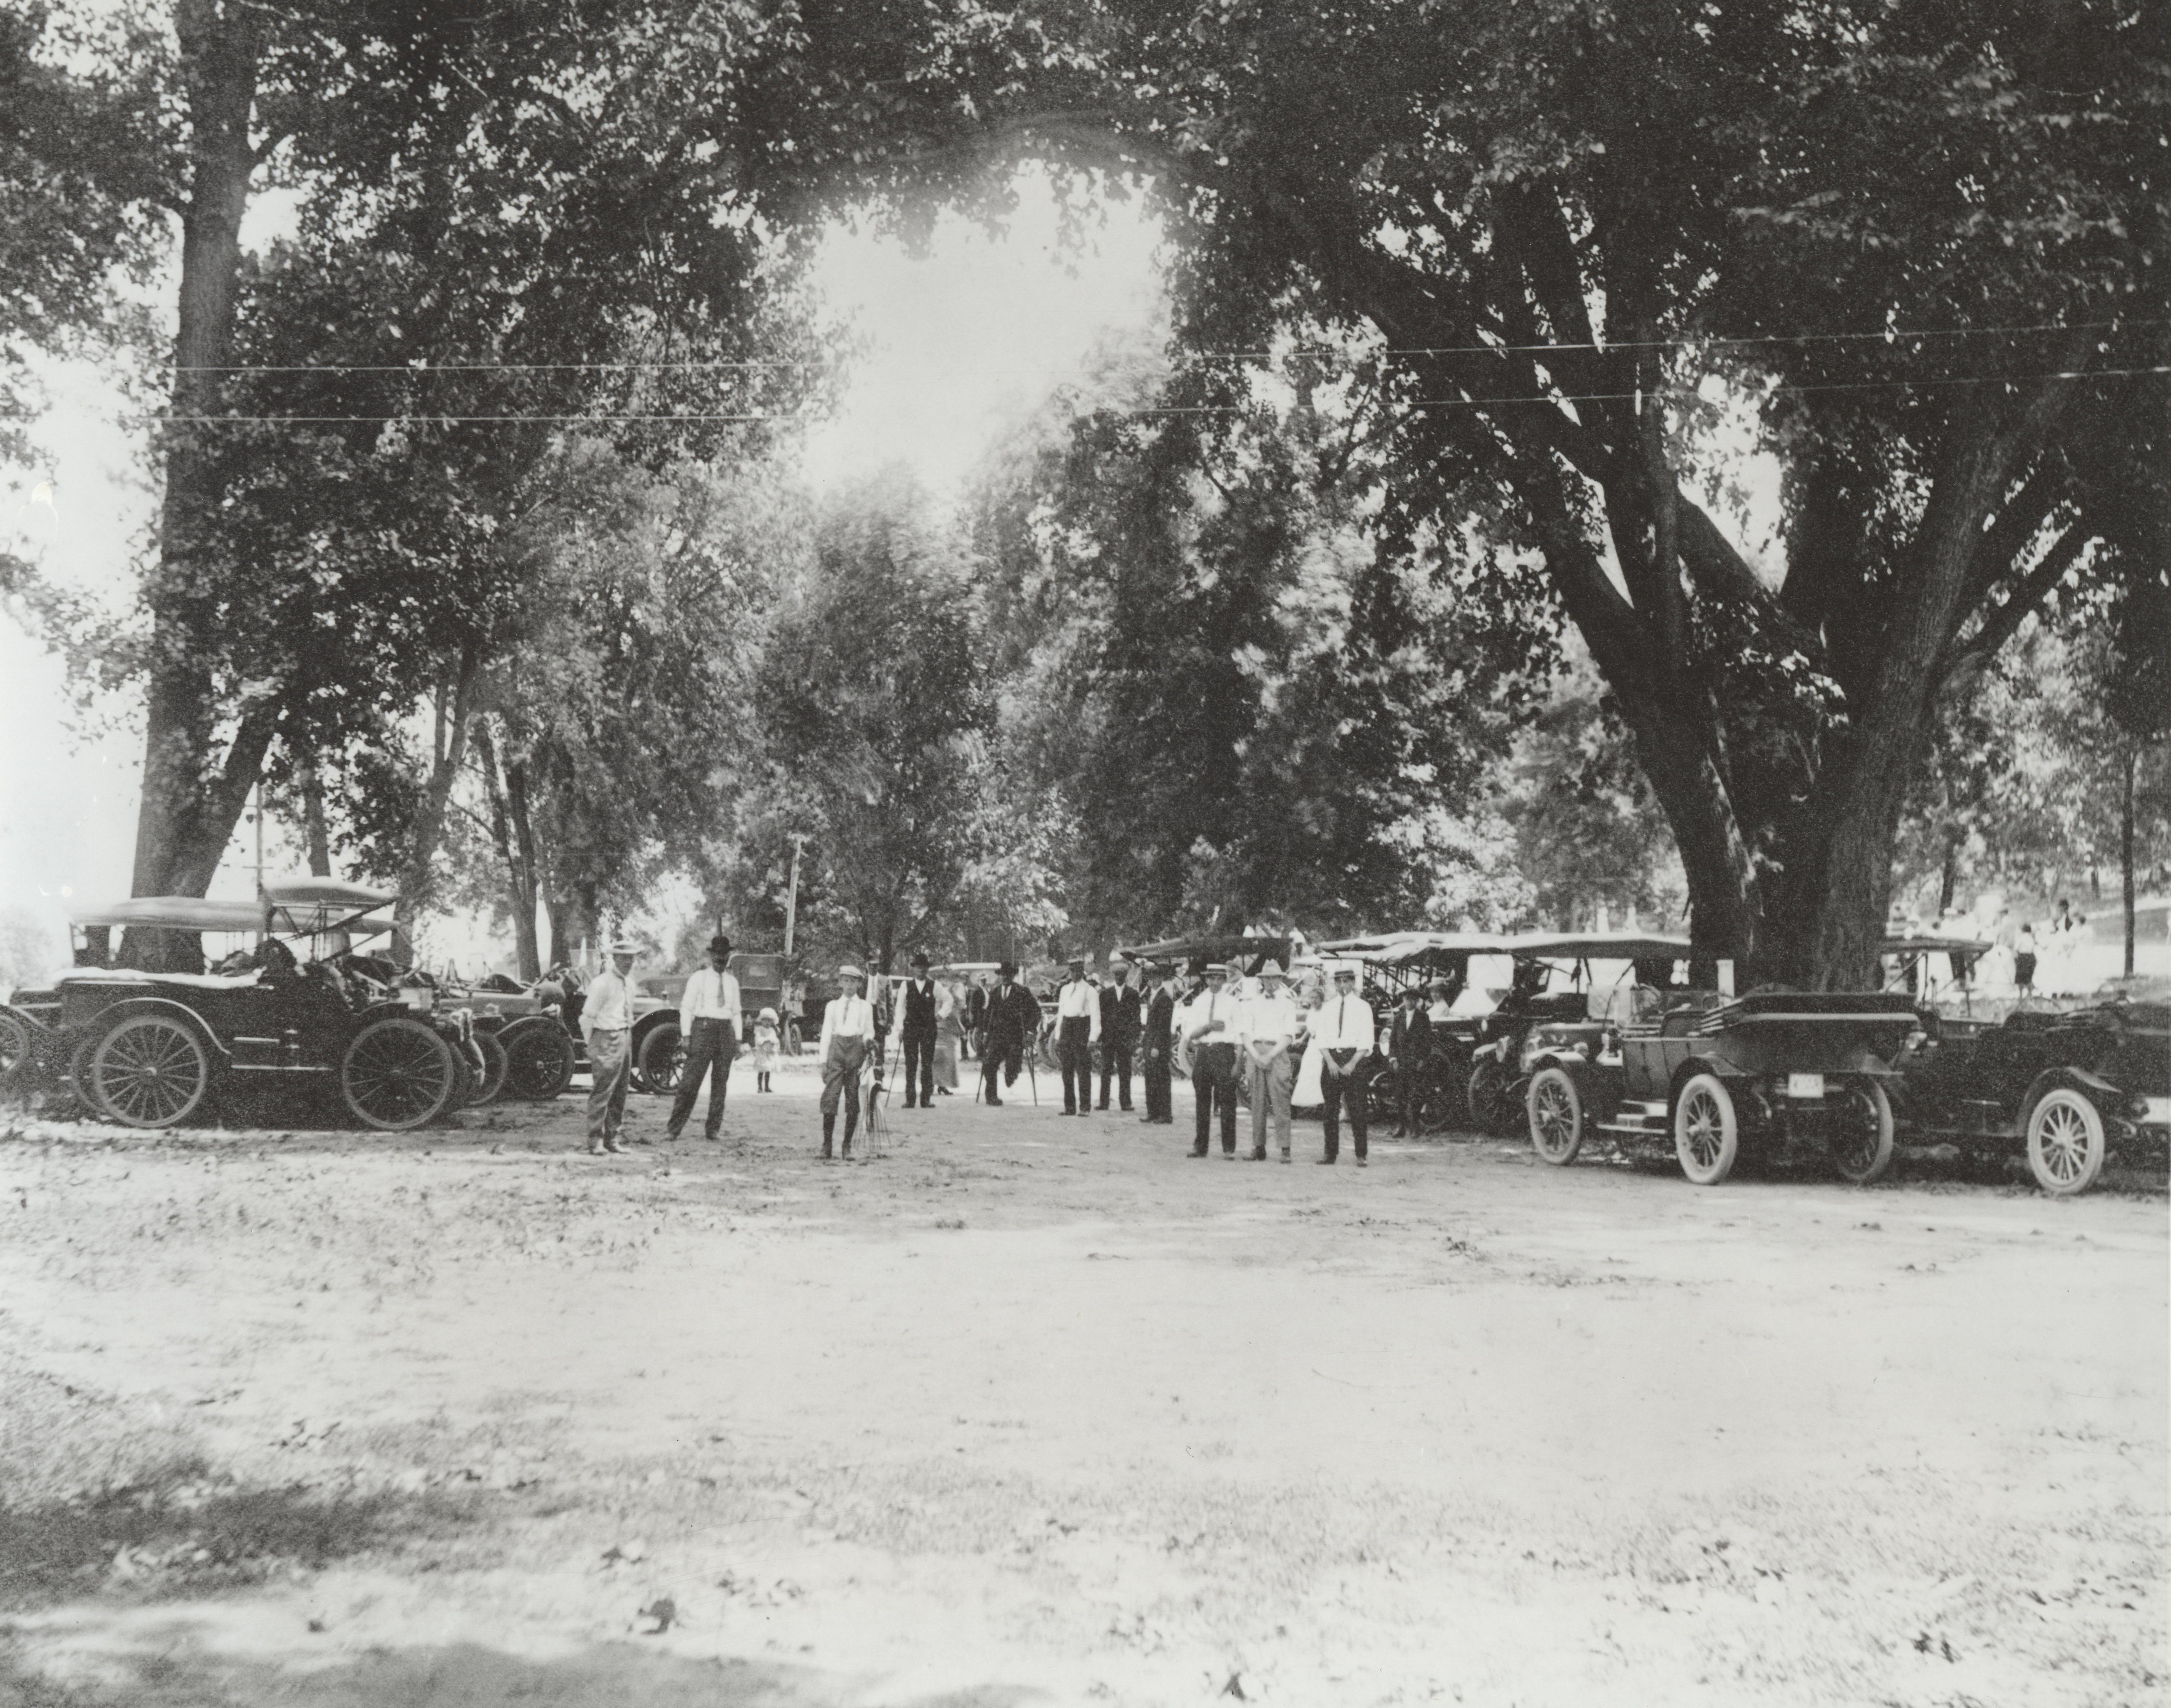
(455, 713)
(190, 800)
(514, 836)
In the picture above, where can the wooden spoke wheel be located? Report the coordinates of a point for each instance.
(151, 1070)
(538, 1063)
(14, 1051)
(1555, 1106)
(485, 1086)
(662, 1063)
(2065, 1145)
(1491, 1109)
(1707, 1134)
(398, 1073)
(1862, 1141)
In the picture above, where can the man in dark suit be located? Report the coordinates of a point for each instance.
(1159, 1043)
(916, 1035)
(1409, 1047)
(1123, 1015)
(1013, 1024)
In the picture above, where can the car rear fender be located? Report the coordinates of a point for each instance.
(525, 1025)
(1599, 1087)
(2107, 1097)
(39, 1029)
(107, 1017)
(647, 1023)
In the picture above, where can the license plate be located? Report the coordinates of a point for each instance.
(1806, 1084)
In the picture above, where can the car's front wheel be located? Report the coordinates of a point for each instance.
(1707, 1134)
(1556, 1112)
(151, 1070)
(1491, 1110)
(662, 1063)
(539, 1061)
(397, 1074)
(2066, 1145)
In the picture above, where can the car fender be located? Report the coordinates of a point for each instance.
(1598, 1087)
(1738, 1083)
(39, 1030)
(2108, 1097)
(647, 1023)
(525, 1024)
(106, 1019)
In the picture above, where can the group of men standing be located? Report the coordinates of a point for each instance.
(1259, 1034)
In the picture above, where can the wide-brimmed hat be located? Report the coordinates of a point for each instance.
(1273, 969)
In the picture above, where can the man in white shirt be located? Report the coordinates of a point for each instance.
(1347, 1035)
(709, 1020)
(1077, 1029)
(848, 1039)
(1270, 1026)
(607, 1027)
(1210, 1024)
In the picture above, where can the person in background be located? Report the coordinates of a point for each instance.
(709, 1020)
(2024, 960)
(1346, 1034)
(1122, 1016)
(949, 1037)
(766, 1037)
(976, 1016)
(1159, 1035)
(1013, 1022)
(1078, 1029)
(1442, 1007)
(1211, 1026)
(607, 1027)
(1271, 1025)
(848, 1039)
(1409, 1047)
(916, 1017)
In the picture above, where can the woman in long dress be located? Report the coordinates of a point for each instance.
(949, 1033)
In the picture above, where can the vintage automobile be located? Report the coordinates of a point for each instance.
(1772, 1073)
(2066, 1089)
(1559, 1000)
(148, 1049)
(1939, 972)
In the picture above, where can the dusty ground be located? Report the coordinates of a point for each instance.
(1037, 1410)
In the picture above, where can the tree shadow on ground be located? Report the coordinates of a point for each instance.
(180, 1529)
(469, 1675)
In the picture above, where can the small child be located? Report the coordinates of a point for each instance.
(764, 1049)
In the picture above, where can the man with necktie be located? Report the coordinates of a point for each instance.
(1270, 1026)
(1122, 1015)
(916, 1035)
(1077, 1029)
(1013, 1022)
(1347, 1039)
(1159, 1041)
(848, 1039)
(709, 1020)
(1211, 1027)
(607, 1027)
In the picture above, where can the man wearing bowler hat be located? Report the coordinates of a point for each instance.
(1013, 1023)
(709, 1020)
(1122, 1017)
(1159, 1046)
(916, 1021)
(1078, 1029)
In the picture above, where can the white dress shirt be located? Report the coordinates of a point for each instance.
(1079, 1001)
(1345, 1023)
(846, 1017)
(1269, 1018)
(609, 1006)
(1207, 1007)
(709, 995)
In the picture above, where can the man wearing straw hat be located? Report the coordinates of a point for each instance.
(607, 1026)
(1270, 1030)
(1348, 1036)
(848, 1039)
(1211, 1026)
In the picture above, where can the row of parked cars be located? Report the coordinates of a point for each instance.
(306, 1006)
(1644, 1064)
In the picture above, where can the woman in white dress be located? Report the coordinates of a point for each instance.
(949, 1033)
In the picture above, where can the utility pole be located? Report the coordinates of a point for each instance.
(259, 816)
(791, 900)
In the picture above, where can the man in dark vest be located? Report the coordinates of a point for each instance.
(1013, 1024)
(1409, 1047)
(1159, 1043)
(916, 1035)
(1123, 1015)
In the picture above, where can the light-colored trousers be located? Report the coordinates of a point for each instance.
(1270, 1088)
(610, 1064)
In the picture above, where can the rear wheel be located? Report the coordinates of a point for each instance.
(1556, 1112)
(398, 1073)
(1862, 1145)
(151, 1070)
(538, 1063)
(1492, 1109)
(662, 1061)
(2065, 1147)
(1706, 1136)
(486, 1088)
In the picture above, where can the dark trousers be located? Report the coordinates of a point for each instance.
(1213, 1084)
(1156, 1073)
(1410, 1075)
(1350, 1088)
(1115, 1065)
(1074, 1051)
(998, 1067)
(714, 1045)
(919, 1067)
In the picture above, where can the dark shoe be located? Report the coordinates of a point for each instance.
(1194, 1153)
(595, 1150)
(1260, 1154)
(712, 1137)
(644, 1141)
(671, 1138)
(1325, 1162)
(994, 1103)
(1103, 1108)
(1360, 1162)
(614, 1150)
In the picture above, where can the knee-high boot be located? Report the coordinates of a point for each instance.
(828, 1131)
(852, 1126)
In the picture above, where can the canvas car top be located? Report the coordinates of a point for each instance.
(173, 914)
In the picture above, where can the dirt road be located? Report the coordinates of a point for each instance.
(1034, 1409)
